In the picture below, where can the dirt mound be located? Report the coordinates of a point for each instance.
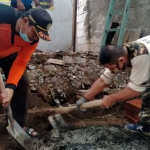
(56, 81)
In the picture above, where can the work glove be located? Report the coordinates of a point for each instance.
(79, 102)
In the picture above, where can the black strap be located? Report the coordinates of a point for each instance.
(34, 42)
(13, 25)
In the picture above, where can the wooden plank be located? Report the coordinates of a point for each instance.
(55, 61)
(136, 34)
(126, 37)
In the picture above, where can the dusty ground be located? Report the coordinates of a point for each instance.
(112, 137)
(96, 129)
(93, 138)
(93, 117)
(50, 82)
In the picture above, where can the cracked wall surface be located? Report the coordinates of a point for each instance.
(91, 15)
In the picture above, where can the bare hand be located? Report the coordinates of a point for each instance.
(51, 112)
(7, 99)
(20, 5)
(107, 102)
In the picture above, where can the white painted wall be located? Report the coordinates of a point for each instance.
(61, 30)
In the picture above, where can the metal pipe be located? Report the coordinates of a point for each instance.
(74, 18)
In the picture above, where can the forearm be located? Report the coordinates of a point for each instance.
(96, 88)
(124, 94)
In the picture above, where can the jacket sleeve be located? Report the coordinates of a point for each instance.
(19, 65)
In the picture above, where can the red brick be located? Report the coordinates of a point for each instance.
(135, 104)
(132, 120)
(133, 108)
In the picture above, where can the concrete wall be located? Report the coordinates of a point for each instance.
(91, 20)
(61, 30)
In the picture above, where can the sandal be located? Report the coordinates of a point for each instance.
(31, 132)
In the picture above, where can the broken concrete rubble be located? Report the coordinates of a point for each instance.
(52, 74)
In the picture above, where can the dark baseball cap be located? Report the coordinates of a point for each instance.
(41, 21)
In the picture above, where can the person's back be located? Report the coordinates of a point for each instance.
(23, 5)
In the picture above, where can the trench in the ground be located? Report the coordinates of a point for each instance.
(92, 117)
(94, 129)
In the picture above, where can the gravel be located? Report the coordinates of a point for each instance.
(92, 138)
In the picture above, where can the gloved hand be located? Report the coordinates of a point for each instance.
(81, 101)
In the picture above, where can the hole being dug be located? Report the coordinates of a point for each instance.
(52, 83)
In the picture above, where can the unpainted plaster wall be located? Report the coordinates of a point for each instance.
(91, 15)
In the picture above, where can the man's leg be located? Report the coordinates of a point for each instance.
(20, 100)
(144, 124)
(21, 93)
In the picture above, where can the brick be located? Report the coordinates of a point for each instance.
(134, 104)
(80, 33)
(82, 40)
(86, 47)
(132, 120)
(81, 18)
(80, 47)
(80, 25)
(133, 108)
(80, 10)
(81, 3)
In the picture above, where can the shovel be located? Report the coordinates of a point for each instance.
(13, 128)
(56, 119)
(63, 110)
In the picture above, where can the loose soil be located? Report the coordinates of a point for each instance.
(93, 138)
(96, 129)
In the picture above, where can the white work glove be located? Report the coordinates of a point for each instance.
(80, 102)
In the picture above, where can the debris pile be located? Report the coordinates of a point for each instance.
(57, 76)
(92, 138)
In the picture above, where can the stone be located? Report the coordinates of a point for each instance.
(67, 60)
(79, 60)
(31, 67)
(50, 67)
(70, 68)
(33, 89)
(41, 80)
(53, 79)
